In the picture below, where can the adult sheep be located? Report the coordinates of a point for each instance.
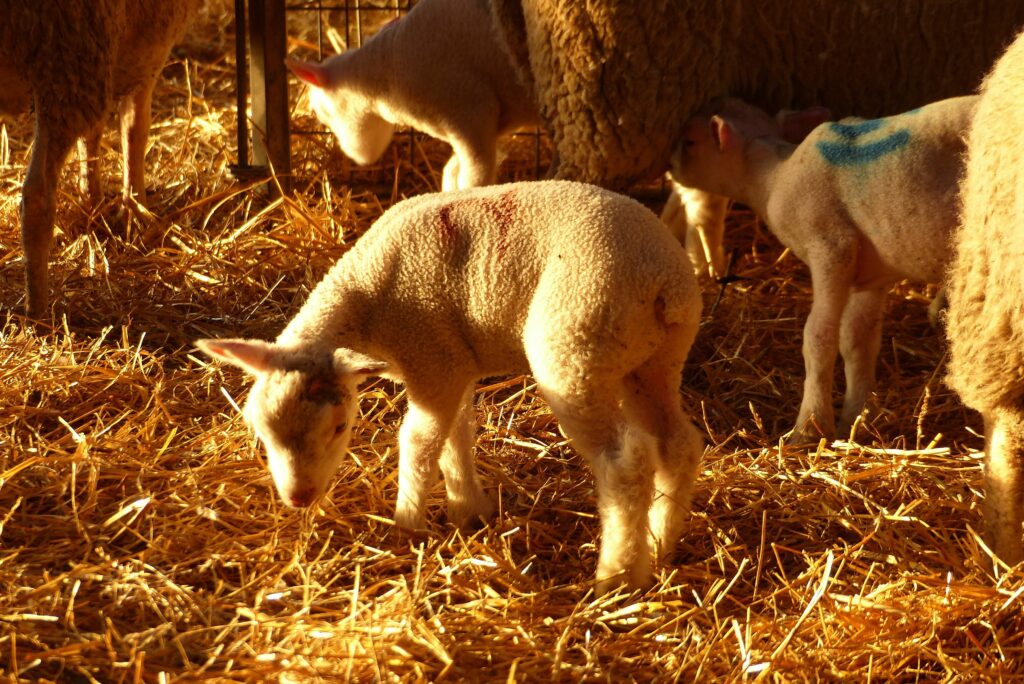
(615, 81)
(71, 62)
(986, 296)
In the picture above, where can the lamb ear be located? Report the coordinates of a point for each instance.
(723, 132)
(252, 356)
(794, 126)
(352, 362)
(310, 73)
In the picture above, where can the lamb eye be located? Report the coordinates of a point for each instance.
(339, 429)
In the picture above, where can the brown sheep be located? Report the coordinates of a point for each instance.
(616, 81)
(73, 63)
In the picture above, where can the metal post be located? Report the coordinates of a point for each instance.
(241, 85)
(269, 86)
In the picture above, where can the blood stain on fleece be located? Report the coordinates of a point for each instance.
(502, 209)
(445, 225)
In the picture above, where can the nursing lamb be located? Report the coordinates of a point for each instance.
(863, 203)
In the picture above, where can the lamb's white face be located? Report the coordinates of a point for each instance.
(362, 135)
(304, 419)
(301, 406)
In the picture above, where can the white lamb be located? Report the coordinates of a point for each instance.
(863, 203)
(582, 287)
(440, 70)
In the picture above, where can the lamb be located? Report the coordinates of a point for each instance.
(584, 288)
(439, 70)
(615, 81)
(697, 218)
(72, 64)
(986, 288)
(863, 203)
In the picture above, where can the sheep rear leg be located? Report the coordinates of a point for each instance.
(830, 278)
(860, 339)
(1004, 482)
(53, 143)
(421, 440)
(468, 503)
(619, 455)
(88, 166)
(653, 401)
(135, 114)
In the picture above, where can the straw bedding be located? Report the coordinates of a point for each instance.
(141, 540)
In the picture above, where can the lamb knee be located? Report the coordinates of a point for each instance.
(468, 503)
(675, 474)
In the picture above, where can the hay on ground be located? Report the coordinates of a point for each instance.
(141, 540)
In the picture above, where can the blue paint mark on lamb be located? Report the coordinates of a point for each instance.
(852, 131)
(851, 153)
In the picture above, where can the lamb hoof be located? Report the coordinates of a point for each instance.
(617, 582)
(607, 585)
(410, 522)
(470, 516)
(640, 578)
(807, 433)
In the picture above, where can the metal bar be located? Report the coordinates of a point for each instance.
(269, 79)
(320, 31)
(241, 85)
(359, 25)
(348, 27)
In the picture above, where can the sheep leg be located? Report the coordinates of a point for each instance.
(421, 440)
(830, 279)
(50, 150)
(88, 166)
(654, 402)
(860, 338)
(450, 177)
(478, 161)
(135, 113)
(620, 460)
(467, 500)
(937, 307)
(1004, 482)
(697, 219)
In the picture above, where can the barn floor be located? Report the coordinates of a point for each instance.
(141, 539)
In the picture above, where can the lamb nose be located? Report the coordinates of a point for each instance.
(302, 497)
